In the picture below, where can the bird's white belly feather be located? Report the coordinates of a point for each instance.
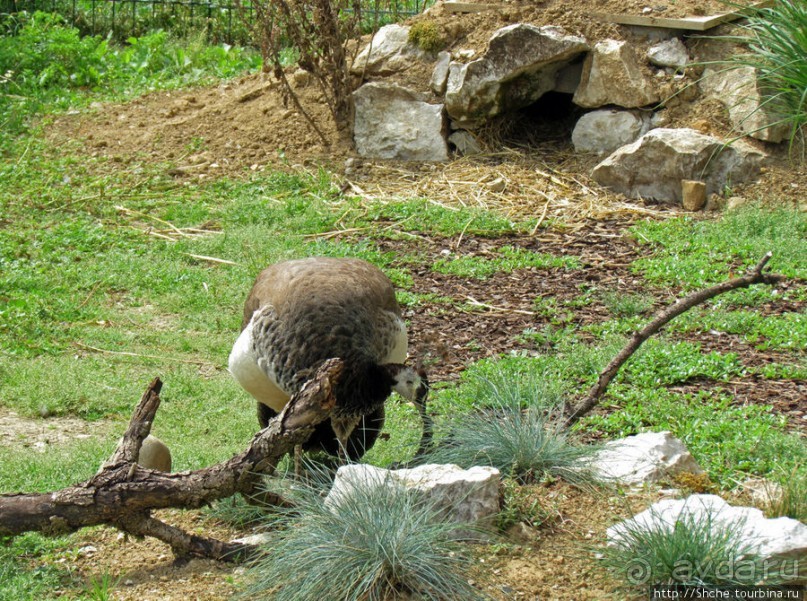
(400, 347)
(244, 367)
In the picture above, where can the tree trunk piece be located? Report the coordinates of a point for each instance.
(123, 494)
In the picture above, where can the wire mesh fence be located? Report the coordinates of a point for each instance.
(222, 21)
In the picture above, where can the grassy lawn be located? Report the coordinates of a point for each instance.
(111, 275)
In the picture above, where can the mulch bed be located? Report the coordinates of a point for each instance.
(501, 307)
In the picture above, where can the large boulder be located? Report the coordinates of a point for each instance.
(774, 540)
(393, 122)
(654, 166)
(644, 458)
(388, 52)
(612, 75)
(518, 67)
(603, 131)
(738, 90)
(464, 496)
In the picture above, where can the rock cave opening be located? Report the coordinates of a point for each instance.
(547, 122)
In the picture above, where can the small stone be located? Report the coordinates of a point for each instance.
(693, 195)
(497, 185)
(735, 202)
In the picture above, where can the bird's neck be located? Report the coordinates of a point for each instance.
(364, 385)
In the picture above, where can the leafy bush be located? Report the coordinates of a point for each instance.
(47, 63)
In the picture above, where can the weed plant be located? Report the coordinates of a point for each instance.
(521, 504)
(792, 502)
(377, 543)
(622, 305)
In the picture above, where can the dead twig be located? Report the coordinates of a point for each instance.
(756, 276)
(142, 356)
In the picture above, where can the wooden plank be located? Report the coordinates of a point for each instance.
(689, 23)
(456, 6)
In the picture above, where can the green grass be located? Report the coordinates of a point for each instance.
(48, 65)
(506, 259)
(92, 307)
(792, 502)
(692, 254)
(729, 441)
(787, 331)
(28, 569)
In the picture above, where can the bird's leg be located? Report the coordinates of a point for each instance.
(298, 462)
(343, 427)
(426, 437)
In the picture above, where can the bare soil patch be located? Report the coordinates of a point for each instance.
(40, 435)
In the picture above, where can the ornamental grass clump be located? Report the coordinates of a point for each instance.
(776, 38)
(696, 549)
(526, 444)
(378, 542)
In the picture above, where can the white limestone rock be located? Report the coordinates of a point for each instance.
(644, 458)
(440, 74)
(654, 166)
(393, 122)
(389, 51)
(519, 66)
(466, 496)
(779, 539)
(669, 53)
(605, 130)
(612, 75)
(738, 90)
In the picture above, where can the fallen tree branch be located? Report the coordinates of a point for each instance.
(123, 494)
(755, 276)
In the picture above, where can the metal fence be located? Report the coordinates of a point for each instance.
(220, 20)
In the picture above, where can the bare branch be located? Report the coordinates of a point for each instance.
(123, 493)
(754, 276)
